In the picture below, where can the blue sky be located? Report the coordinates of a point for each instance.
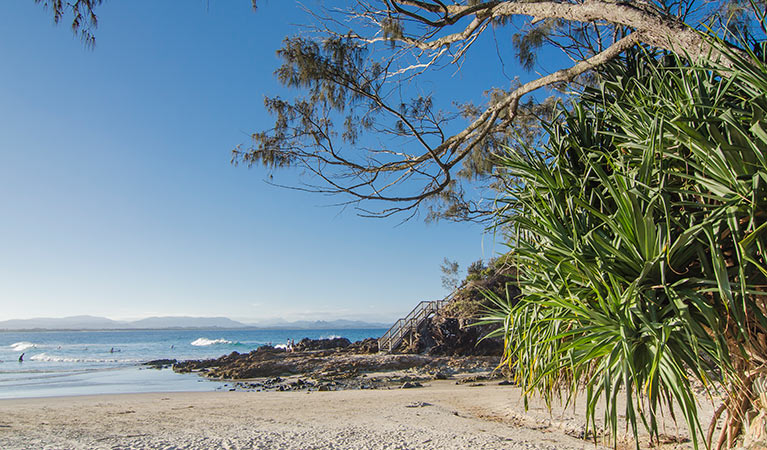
(118, 198)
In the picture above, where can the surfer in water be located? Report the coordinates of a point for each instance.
(21, 358)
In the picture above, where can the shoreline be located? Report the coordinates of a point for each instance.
(135, 379)
(65, 363)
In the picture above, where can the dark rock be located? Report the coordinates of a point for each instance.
(450, 336)
(161, 363)
(411, 384)
(454, 336)
(367, 346)
(267, 349)
(506, 383)
(472, 379)
(306, 344)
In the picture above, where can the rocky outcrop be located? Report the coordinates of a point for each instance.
(366, 346)
(342, 359)
(450, 336)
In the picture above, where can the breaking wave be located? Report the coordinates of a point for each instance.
(204, 342)
(21, 346)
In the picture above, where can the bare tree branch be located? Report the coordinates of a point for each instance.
(365, 65)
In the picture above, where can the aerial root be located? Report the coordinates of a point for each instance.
(737, 404)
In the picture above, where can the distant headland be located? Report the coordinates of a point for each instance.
(175, 322)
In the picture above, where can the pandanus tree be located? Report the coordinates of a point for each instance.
(638, 231)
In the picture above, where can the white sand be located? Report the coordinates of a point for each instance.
(441, 416)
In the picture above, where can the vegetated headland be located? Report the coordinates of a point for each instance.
(447, 343)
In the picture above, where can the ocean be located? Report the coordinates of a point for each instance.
(58, 363)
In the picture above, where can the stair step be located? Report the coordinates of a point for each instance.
(401, 328)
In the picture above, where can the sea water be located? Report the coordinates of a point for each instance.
(110, 362)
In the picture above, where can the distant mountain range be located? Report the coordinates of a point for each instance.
(102, 323)
(318, 325)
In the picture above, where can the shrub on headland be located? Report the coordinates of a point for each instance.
(469, 301)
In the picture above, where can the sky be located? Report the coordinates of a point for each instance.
(118, 198)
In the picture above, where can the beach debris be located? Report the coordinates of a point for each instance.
(417, 405)
(410, 385)
(475, 378)
(440, 375)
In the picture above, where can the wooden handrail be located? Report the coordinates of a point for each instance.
(408, 324)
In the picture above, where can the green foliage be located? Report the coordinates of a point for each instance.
(470, 301)
(392, 29)
(449, 274)
(638, 231)
(84, 18)
(475, 269)
(528, 44)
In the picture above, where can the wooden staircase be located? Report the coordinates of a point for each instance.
(406, 326)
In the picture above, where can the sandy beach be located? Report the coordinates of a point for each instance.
(441, 415)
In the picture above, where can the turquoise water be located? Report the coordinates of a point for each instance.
(109, 362)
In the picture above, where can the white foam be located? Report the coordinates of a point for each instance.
(203, 342)
(21, 346)
(53, 358)
(281, 346)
